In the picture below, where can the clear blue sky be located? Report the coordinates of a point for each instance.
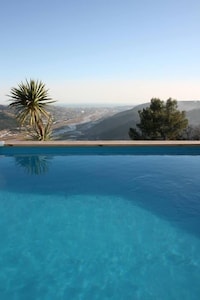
(116, 51)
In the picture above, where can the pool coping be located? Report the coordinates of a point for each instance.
(67, 143)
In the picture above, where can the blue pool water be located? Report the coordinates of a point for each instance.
(97, 223)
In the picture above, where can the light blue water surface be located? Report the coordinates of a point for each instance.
(99, 227)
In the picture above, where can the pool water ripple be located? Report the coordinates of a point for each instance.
(100, 228)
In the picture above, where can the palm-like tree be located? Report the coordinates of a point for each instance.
(30, 100)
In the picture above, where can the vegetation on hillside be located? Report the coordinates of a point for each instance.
(102, 123)
(30, 100)
(160, 121)
(7, 121)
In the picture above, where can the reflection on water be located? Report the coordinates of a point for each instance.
(34, 164)
(167, 186)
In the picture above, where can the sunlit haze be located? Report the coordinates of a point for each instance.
(102, 52)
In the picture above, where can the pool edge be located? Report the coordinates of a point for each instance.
(99, 143)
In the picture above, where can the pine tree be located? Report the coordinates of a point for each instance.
(160, 121)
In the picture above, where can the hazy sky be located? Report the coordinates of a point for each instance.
(108, 51)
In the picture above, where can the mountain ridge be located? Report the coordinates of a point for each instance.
(113, 125)
(117, 127)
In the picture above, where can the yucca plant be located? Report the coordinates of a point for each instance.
(30, 100)
(46, 132)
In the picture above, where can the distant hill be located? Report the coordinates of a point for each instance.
(7, 118)
(62, 116)
(116, 127)
(113, 127)
(188, 105)
(193, 116)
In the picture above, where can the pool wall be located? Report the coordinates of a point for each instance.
(101, 147)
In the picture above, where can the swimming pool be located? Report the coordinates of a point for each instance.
(100, 223)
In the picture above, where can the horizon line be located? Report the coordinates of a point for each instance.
(62, 103)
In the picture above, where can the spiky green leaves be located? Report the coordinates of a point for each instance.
(30, 100)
